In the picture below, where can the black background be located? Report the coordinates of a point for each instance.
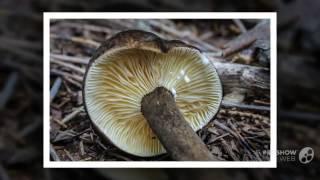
(298, 85)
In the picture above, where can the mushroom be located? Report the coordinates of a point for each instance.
(148, 96)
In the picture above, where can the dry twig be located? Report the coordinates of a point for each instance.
(70, 59)
(245, 106)
(68, 155)
(55, 88)
(8, 90)
(54, 154)
(72, 115)
(69, 66)
(241, 26)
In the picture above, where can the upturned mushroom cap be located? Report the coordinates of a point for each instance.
(132, 64)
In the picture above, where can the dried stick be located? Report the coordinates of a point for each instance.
(30, 72)
(68, 65)
(26, 56)
(252, 80)
(244, 114)
(217, 138)
(25, 14)
(261, 102)
(66, 75)
(240, 25)
(245, 106)
(60, 123)
(235, 134)
(237, 45)
(228, 149)
(246, 145)
(72, 115)
(70, 59)
(80, 40)
(8, 90)
(260, 32)
(29, 129)
(20, 43)
(88, 27)
(71, 78)
(299, 116)
(54, 154)
(73, 82)
(181, 35)
(81, 148)
(55, 88)
(68, 154)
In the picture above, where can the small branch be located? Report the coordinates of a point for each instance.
(60, 123)
(24, 155)
(214, 56)
(299, 116)
(240, 25)
(71, 78)
(229, 151)
(262, 102)
(217, 138)
(183, 35)
(70, 59)
(67, 75)
(260, 33)
(246, 145)
(29, 129)
(54, 154)
(26, 56)
(21, 43)
(75, 83)
(245, 106)
(237, 45)
(222, 126)
(81, 147)
(235, 134)
(72, 115)
(24, 14)
(88, 27)
(80, 40)
(68, 65)
(68, 154)
(30, 72)
(244, 114)
(8, 89)
(254, 80)
(55, 88)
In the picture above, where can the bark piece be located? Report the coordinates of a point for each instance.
(257, 39)
(253, 80)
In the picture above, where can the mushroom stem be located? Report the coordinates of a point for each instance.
(173, 131)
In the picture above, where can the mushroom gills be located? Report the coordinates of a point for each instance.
(117, 81)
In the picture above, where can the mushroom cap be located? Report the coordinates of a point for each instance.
(132, 64)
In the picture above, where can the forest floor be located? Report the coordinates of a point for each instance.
(239, 132)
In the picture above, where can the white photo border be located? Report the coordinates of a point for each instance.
(272, 163)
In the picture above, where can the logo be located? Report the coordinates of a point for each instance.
(306, 155)
(287, 155)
